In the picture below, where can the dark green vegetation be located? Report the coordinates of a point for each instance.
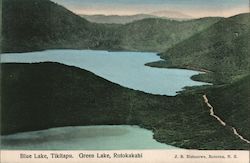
(43, 99)
(232, 102)
(160, 34)
(222, 49)
(30, 25)
(36, 96)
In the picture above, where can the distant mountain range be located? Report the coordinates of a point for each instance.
(171, 15)
(118, 19)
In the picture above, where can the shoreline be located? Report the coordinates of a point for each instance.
(170, 118)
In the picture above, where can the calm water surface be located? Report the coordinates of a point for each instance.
(124, 68)
(85, 138)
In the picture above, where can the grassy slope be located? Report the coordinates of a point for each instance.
(43, 99)
(223, 49)
(42, 24)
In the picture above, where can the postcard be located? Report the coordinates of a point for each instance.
(147, 81)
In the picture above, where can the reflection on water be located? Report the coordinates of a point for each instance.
(85, 138)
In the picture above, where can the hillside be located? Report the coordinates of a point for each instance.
(160, 34)
(183, 121)
(36, 96)
(115, 19)
(222, 49)
(232, 102)
(42, 24)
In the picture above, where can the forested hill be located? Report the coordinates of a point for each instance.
(155, 34)
(41, 24)
(222, 49)
(30, 25)
(183, 121)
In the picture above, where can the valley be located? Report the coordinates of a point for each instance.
(47, 93)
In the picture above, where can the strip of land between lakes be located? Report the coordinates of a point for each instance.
(235, 132)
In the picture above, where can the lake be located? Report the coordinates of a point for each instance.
(115, 137)
(124, 68)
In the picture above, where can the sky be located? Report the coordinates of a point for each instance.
(194, 8)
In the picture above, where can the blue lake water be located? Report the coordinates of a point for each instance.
(124, 68)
